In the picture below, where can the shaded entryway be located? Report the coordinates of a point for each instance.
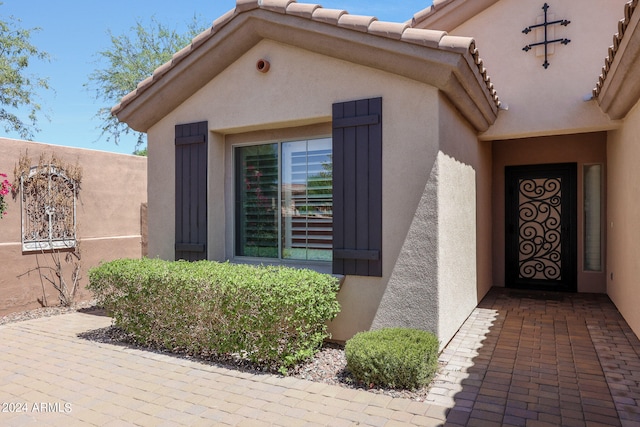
(541, 358)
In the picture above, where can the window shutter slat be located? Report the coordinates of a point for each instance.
(191, 191)
(194, 139)
(357, 187)
(365, 120)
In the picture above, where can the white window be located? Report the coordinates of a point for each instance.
(283, 195)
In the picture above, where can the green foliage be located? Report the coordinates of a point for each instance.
(18, 88)
(143, 152)
(131, 58)
(273, 317)
(393, 357)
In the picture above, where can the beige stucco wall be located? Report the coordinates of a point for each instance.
(450, 229)
(583, 149)
(465, 209)
(295, 98)
(545, 101)
(623, 211)
(112, 190)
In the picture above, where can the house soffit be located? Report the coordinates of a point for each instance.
(618, 88)
(449, 63)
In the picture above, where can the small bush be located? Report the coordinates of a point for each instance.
(274, 317)
(393, 357)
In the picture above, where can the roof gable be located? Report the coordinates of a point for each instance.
(449, 63)
(616, 90)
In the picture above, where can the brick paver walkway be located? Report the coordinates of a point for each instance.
(541, 359)
(520, 359)
(49, 376)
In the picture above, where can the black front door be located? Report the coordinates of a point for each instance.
(541, 219)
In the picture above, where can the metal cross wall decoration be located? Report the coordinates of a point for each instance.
(546, 41)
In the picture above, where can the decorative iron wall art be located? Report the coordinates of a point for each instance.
(546, 42)
(49, 193)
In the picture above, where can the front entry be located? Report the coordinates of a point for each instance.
(541, 227)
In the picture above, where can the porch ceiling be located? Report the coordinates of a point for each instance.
(451, 64)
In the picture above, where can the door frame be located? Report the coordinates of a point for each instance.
(567, 172)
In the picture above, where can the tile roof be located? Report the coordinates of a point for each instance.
(448, 14)
(623, 24)
(430, 10)
(336, 17)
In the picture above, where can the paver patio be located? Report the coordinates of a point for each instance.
(525, 359)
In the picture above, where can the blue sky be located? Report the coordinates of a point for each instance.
(73, 31)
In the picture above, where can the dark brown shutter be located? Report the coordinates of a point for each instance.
(191, 191)
(357, 187)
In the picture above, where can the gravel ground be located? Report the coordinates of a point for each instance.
(329, 365)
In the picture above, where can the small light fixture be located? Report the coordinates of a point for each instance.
(263, 65)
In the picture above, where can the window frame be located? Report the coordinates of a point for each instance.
(302, 134)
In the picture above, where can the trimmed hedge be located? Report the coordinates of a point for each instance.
(273, 317)
(399, 358)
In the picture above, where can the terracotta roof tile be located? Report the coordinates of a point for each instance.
(181, 54)
(456, 43)
(397, 31)
(223, 20)
(330, 16)
(161, 70)
(483, 72)
(304, 10)
(279, 6)
(393, 30)
(128, 97)
(629, 8)
(145, 82)
(245, 5)
(449, 14)
(430, 38)
(356, 22)
(202, 37)
(424, 13)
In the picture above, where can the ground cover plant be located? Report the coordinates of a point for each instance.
(400, 358)
(274, 317)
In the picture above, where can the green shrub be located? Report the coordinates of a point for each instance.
(273, 317)
(393, 357)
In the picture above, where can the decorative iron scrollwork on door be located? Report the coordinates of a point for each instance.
(539, 228)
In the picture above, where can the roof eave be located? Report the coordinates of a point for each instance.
(619, 88)
(451, 66)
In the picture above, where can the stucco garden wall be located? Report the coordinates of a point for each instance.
(295, 98)
(623, 212)
(113, 188)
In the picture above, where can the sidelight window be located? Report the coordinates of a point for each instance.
(592, 217)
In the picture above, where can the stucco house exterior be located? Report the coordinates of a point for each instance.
(384, 153)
